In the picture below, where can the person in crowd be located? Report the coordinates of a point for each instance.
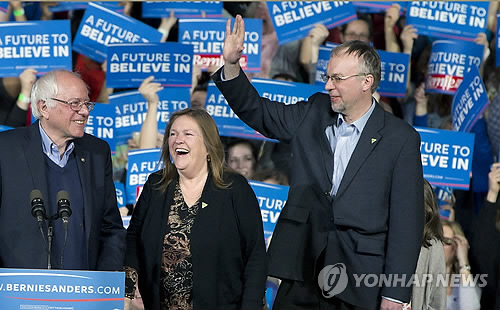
(14, 112)
(199, 96)
(430, 294)
(350, 158)
(242, 157)
(485, 242)
(271, 176)
(358, 29)
(201, 221)
(52, 155)
(492, 84)
(462, 293)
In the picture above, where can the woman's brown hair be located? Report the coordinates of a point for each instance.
(212, 142)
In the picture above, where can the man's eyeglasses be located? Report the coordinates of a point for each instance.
(338, 78)
(76, 105)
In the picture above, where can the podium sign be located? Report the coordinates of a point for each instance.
(61, 289)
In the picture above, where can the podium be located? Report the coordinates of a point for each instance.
(61, 289)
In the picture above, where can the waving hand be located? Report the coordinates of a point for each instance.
(233, 47)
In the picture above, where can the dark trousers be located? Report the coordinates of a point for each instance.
(294, 295)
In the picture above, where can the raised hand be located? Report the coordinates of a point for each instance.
(27, 78)
(408, 35)
(318, 34)
(481, 39)
(149, 90)
(233, 47)
(493, 183)
(392, 15)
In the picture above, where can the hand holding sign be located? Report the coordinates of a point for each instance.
(318, 34)
(149, 90)
(408, 34)
(233, 47)
(392, 15)
(166, 24)
(494, 182)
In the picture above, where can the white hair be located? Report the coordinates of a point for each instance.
(45, 88)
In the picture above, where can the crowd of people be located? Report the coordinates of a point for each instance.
(351, 158)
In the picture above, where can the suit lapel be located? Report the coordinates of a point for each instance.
(36, 162)
(326, 150)
(369, 138)
(82, 158)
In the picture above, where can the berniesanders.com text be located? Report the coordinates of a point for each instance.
(58, 288)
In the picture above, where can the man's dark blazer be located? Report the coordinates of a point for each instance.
(376, 218)
(227, 245)
(23, 168)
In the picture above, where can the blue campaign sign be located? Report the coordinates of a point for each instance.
(101, 26)
(207, 36)
(448, 19)
(469, 102)
(61, 289)
(131, 109)
(448, 63)
(394, 74)
(120, 194)
(4, 6)
(377, 6)
(446, 157)
(292, 20)
(101, 123)
(228, 122)
(41, 45)
(272, 198)
(141, 163)
(444, 196)
(322, 64)
(182, 9)
(64, 6)
(129, 64)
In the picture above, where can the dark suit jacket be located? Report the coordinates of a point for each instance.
(485, 254)
(22, 169)
(375, 220)
(227, 245)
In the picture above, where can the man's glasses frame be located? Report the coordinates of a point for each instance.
(339, 78)
(76, 105)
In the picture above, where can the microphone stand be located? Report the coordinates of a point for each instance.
(49, 246)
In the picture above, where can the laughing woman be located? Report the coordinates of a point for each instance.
(195, 240)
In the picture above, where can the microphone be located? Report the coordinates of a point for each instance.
(63, 209)
(37, 208)
(38, 211)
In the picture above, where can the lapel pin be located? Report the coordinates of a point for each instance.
(83, 159)
(374, 140)
(204, 205)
